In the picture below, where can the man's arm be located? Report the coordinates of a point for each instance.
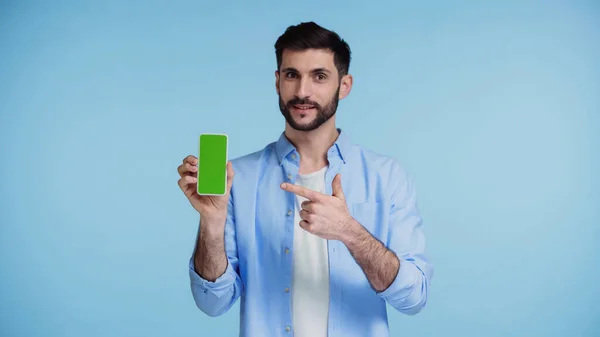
(213, 268)
(379, 264)
(399, 270)
(210, 260)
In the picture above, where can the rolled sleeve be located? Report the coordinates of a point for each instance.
(221, 286)
(402, 290)
(215, 298)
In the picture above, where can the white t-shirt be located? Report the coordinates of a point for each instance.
(310, 275)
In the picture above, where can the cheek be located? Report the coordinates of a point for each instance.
(326, 95)
(285, 92)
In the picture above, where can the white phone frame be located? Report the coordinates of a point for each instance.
(226, 161)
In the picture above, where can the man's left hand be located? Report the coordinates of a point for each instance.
(326, 216)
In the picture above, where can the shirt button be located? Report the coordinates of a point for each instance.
(293, 156)
(287, 328)
(286, 250)
(287, 290)
(290, 176)
(289, 212)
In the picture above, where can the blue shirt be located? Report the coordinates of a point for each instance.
(259, 243)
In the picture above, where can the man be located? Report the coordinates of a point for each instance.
(315, 234)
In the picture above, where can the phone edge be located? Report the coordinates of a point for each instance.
(226, 161)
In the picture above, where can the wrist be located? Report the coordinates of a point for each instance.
(212, 226)
(353, 233)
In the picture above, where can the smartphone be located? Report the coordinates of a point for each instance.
(212, 164)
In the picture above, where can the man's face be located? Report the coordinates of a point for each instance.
(308, 86)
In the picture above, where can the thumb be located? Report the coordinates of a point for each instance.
(230, 175)
(336, 187)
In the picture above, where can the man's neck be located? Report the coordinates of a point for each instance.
(313, 145)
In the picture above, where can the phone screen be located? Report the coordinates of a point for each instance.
(212, 164)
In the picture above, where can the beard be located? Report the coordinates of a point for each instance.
(323, 113)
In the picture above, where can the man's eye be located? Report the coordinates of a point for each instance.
(290, 75)
(321, 77)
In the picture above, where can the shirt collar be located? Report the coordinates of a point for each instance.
(341, 147)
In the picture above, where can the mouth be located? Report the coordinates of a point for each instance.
(303, 108)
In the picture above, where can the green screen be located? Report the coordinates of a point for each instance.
(212, 164)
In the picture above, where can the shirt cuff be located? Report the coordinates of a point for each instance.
(221, 286)
(403, 285)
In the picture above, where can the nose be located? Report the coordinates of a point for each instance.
(304, 88)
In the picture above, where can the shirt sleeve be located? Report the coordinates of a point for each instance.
(408, 291)
(216, 298)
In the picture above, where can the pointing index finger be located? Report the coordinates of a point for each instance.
(301, 191)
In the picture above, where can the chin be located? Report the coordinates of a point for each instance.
(304, 114)
(304, 118)
(304, 122)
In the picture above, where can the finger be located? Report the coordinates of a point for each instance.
(336, 187)
(306, 226)
(306, 215)
(301, 191)
(308, 205)
(185, 181)
(230, 171)
(191, 189)
(190, 159)
(187, 169)
(230, 175)
(192, 169)
(188, 162)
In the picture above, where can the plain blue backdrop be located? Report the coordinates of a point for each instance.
(494, 109)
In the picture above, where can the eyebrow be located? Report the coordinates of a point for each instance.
(316, 70)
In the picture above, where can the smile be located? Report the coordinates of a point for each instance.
(303, 107)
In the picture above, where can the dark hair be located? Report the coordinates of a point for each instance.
(309, 35)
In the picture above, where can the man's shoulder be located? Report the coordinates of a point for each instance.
(384, 171)
(379, 162)
(252, 159)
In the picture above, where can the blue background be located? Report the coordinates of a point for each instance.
(494, 109)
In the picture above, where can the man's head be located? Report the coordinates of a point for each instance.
(312, 74)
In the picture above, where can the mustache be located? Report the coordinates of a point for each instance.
(298, 101)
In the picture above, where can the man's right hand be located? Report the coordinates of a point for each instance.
(212, 208)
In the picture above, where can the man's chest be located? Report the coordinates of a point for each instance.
(267, 217)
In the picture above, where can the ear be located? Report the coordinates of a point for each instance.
(277, 81)
(345, 86)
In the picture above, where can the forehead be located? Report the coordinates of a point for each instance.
(306, 60)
